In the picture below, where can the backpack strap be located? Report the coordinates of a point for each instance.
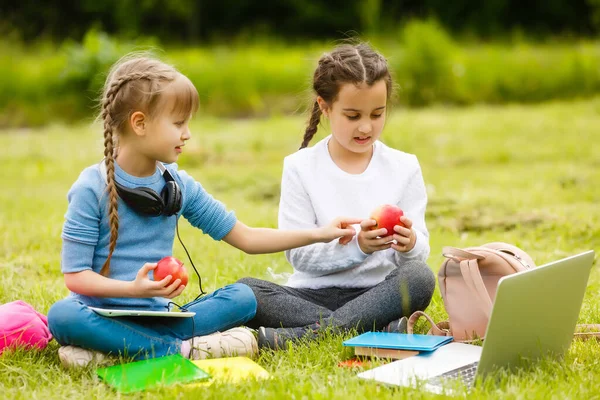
(472, 278)
(587, 331)
(457, 254)
(582, 331)
(439, 329)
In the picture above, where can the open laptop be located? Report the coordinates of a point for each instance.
(534, 315)
(110, 312)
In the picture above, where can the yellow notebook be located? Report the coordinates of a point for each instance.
(231, 369)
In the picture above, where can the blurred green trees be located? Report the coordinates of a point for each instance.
(189, 21)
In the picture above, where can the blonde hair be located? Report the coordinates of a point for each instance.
(137, 82)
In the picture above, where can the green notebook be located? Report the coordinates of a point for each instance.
(151, 373)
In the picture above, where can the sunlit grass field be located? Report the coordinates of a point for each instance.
(527, 175)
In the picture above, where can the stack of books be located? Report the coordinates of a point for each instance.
(396, 346)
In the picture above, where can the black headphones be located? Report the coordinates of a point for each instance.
(145, 200)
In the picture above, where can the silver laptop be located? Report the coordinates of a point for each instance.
(534, 315)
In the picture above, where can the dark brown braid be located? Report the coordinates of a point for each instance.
(345, 64)
(313, 125)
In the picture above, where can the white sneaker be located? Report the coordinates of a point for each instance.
(233, 342)
(77, 357)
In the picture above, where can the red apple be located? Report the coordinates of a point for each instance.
(171, 266)
(387, 216)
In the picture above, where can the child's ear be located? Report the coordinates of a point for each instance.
(137, 121)
(323, 106)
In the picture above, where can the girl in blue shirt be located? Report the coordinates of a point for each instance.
(122, 218)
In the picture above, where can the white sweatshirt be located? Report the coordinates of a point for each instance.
(314, 191)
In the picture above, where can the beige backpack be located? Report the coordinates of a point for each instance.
(468, 280)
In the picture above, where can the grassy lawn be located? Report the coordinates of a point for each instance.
(527, 175)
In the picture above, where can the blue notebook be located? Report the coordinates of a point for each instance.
(400, 341)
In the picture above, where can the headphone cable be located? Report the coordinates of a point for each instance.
(183, 308)
(202, 292)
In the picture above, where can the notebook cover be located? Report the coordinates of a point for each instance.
(404, 341)
(232, 369)
(147, 374)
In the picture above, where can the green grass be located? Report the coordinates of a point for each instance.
(527, 175)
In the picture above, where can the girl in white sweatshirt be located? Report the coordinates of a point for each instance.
(371, 281)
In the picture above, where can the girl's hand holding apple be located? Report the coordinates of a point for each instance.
(371, 240)
(143, 286)
(404, 236)
(389, 220)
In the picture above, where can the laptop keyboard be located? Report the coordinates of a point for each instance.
(466, 373)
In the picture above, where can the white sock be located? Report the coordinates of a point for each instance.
(186, 348)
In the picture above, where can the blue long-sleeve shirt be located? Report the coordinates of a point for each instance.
(142, 239)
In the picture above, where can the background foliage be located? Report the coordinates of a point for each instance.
(45, 82)
(192, 20)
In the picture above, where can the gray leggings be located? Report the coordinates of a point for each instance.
(406, 289)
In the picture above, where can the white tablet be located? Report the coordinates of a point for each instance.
(109, 312)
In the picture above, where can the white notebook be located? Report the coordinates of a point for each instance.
(109, 312)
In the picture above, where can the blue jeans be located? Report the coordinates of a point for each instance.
(73, 323)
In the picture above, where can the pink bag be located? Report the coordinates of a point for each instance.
(22, 325)
(468, 280)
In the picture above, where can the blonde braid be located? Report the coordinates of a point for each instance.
(112, 197)
(113, 211)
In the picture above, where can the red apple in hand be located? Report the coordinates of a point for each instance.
(171, 266)
(387, 216)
